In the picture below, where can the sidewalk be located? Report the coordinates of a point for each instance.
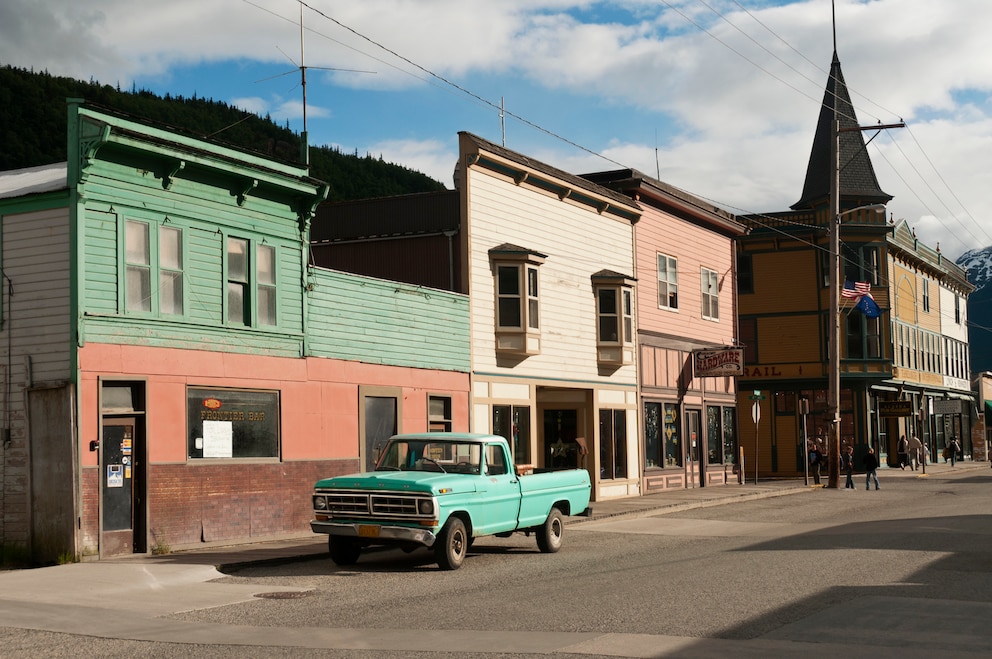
(315, 546)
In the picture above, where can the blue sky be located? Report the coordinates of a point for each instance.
(719, 97)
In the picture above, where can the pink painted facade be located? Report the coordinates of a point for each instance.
(189, 502)
(686, 302)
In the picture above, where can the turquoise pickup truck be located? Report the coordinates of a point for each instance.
(441, 491)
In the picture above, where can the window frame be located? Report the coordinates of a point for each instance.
(252, 284)
(613, 444)
(153, 267)
(745, 272)
(523, 337)
(519, 439)
(618, 350)
(439, 422)
(671, 282)
(229, 411)
(709, 302)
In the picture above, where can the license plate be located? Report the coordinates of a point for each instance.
(367, 531)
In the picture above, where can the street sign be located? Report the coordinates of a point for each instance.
(756, 412)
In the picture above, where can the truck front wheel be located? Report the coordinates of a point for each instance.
(344, 551)
(451, 545)
(549, 534)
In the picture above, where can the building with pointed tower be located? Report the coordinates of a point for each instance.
(787, 316)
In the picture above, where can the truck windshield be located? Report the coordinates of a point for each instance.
(451, 457)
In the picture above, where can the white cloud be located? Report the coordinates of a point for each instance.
(432, 157)
(737, 120)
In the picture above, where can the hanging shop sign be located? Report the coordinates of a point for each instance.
(720, 362)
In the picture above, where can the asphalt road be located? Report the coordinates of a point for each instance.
(904, 571)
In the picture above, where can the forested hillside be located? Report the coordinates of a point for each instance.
(33, 132)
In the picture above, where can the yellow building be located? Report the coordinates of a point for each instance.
(784, 288)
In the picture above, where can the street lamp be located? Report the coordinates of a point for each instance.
(833, 399)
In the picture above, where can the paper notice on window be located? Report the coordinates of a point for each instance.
(218, 439)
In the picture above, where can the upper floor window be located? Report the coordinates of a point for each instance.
(957, 309)
(153, 253)
(251, 283)
(860, 263)
(745, 272)
(518, 302)
(614, 317)
(926, 295)
(710, 288)
(668, 282)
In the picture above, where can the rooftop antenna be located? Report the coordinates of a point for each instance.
(833, 21)
(657, 166)
(502, 120)
(302, 68)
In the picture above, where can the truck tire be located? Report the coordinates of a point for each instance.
(344, 551)
(549, 534)
(451, 545)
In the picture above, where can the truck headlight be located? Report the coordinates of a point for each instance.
(319, 503)
(426, 506)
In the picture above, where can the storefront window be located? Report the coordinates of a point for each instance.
(232, 423)
(612, 444)
(730, 435)
(653, 456)
(714, 435)
(670, 428)
(512, 422)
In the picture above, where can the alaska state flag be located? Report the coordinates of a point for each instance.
(868, 306)
(863, 301)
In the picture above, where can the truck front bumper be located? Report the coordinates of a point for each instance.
(376, 533)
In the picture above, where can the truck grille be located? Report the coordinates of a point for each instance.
(370, 505)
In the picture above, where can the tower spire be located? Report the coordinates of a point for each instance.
(857, 176)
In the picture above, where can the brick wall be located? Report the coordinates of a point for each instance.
(193, 504)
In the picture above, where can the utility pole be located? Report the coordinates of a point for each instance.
(833, 399)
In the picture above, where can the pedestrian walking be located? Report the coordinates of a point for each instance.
(902, 452)
(871, 465)
(915, 449)
(847, 466)
(815, 459)
(954, 448)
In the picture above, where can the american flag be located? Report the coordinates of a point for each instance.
(856, 289)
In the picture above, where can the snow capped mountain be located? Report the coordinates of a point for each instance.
(978, 264)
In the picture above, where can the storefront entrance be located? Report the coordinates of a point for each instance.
(122, 488)
(561, 451)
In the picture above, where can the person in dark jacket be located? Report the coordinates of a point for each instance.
(815, 460)
(871, 464)
(847, 466)
(902, 450)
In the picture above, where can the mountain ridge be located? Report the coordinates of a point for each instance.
(33, 132)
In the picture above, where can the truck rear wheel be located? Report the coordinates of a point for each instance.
(344, 551)
(451, 545)
(549, 534)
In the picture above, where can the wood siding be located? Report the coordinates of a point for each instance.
(206, 215)
(385, 322)
(695, 247)
(578, 243)
(37, 291)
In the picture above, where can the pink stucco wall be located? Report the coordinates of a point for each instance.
(319, 397)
